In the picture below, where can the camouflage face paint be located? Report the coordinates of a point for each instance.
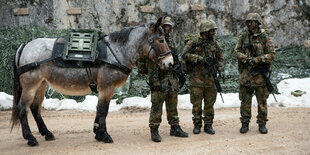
(252, 25)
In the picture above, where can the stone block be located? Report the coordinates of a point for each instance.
(21, 11)
(146, 9)
(307, 44)
(197, 7)
(74, 11)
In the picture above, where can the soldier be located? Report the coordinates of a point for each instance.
(196, 54)
(254, 51)
(164, 86)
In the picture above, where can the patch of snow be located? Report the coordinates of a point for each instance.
(285, 99)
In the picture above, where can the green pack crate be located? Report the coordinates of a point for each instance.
(81, 45)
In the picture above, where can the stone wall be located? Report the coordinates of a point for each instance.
(287, 20)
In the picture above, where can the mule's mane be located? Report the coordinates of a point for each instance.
(122, 35)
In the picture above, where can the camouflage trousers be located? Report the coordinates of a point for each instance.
(171, 101)
(208, 94)
(245, 96)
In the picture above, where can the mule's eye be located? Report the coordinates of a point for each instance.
(161, 41)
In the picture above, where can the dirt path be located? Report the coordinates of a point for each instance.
(289, 133)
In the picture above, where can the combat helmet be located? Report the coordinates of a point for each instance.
(187, 37)
(254, 16)
(192, 36)
(207, 25)
(168, 21)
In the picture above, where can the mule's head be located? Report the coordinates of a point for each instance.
(157, 49)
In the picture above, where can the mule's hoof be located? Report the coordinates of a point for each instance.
(49, 137)
(105, 137)
(108, 139)
(33, 142)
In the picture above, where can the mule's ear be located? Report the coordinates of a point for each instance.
(160, 22)
(152, 28)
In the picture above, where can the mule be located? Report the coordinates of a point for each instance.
(29, 87)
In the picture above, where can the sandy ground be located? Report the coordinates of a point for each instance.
(289, 133)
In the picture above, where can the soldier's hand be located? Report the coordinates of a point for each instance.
(254, 61)
(257, 60)
(222, 75)
(199, 58)
(250, 60)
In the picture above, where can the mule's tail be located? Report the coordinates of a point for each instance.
(17, 95)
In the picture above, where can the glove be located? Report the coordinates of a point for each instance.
(252, 61)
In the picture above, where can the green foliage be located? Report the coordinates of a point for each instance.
(135, 86)
(228, 43)
(10, 39)
(293, 56)
(292, 61)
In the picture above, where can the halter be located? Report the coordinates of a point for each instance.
(153, 47)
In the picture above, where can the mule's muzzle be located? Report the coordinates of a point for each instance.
(167, 61)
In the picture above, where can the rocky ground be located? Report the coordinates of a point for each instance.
(289, 130)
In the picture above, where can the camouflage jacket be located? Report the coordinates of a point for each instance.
(194, 55)
(170, 42)
(159, 80)
(264, 51)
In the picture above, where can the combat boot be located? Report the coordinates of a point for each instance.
(176, 130)
(196, 129)
(208, 129)
(154, 134)
(262, 128)
(244, 128)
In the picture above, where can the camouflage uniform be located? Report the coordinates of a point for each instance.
(253, 83)
(202, 84)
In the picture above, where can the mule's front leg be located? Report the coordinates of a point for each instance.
(100, 128)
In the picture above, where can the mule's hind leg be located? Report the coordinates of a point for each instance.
(36, 112)
(22, 110)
